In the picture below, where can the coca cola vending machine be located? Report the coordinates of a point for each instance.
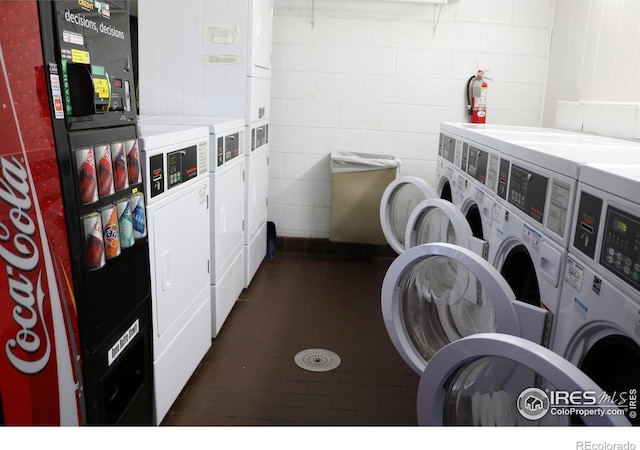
(75, 326)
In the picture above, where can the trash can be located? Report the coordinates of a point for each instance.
(358, 181)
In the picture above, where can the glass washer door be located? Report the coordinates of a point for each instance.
(437, 293)
(398, 201)
(437, 220)
(493, 379)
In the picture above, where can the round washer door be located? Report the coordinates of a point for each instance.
(434, 294)
(494, 379)
(437, 220)
(398, 201)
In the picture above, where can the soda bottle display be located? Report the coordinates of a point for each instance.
(119, 159)
(133, 161)
(104, 170)
(94, 240)
(87, 183)
(125, 223)
(139, 216)
(110, 231)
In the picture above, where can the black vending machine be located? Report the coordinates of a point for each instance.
(86, 46)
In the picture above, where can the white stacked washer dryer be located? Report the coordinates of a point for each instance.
(176, 177)
(598, 324)
(256, 200)
(226, 146)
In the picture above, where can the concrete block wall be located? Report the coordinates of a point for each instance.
(380, 77)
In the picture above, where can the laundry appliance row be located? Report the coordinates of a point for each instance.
(522, 183)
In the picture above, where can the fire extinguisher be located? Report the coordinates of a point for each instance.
(477, 97)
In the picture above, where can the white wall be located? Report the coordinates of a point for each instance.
(373, 76)
(595, 57)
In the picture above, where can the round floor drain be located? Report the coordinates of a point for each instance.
(317, 360)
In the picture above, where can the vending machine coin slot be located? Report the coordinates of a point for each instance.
(156, 174)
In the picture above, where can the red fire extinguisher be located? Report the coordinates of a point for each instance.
(477, 97)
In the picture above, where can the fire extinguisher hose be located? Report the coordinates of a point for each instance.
(469, 94)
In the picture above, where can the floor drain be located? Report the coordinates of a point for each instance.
(317, 360)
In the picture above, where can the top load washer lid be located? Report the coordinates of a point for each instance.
(217, 125)
(622, 180)
(154, 136)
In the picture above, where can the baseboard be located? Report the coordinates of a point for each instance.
(326, 248)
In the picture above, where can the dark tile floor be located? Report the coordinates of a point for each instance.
(297, 302)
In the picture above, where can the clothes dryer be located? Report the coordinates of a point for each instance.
(226, 170)
(256, 197)
(176, 179)
(598, 324)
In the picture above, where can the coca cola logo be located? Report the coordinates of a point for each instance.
(27, 351)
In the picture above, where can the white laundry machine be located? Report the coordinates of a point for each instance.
(598, 324)
(537, 181)
(398, 200)
(256, 197)
(437, 293)
(492, 379)
(456, 322)
(474, 182)
(176, 179)
(226, 170)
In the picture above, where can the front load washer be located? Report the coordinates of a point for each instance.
(492, 379)
(598, 324)
(256, 197)
(537, 180)
(226, 170)
(437, 293)
(398, 200)
(455, 321)
(176, 179)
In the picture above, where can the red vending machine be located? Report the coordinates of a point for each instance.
(75, 326)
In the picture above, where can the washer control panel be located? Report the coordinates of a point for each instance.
(447, 148)
(620, 251)
(528, 191)
(477, 164)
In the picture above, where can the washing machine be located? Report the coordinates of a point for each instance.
(226, 172)
(256, 197)
(492, 379)
(476, 165)
(437, 293)
(455, 321)
(398, 200)
(537, 180)
(598, 324)
(177, 187)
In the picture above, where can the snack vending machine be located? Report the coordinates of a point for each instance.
(75, 325)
